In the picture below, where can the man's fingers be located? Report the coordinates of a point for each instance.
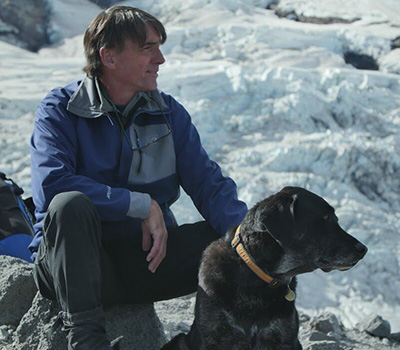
(146, 238)
(155, 235)
(153, 253)
(157, 253)
(153, 266)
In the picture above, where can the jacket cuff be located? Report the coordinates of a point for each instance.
(139, 206)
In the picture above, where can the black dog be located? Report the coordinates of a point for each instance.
(245, 298)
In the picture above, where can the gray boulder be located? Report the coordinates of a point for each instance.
(395, 337)
(319, 336)
(323, 345)
(375, 325)
(322, 332)
(25, 316)
(138, 324)
(25, 23)
(395, 43)
(326, 323)
(17, 289)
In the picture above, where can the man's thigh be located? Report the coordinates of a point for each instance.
(177, 273)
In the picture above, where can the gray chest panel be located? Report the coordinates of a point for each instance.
(158, 154)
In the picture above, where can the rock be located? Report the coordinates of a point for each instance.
(25, 23)
(322, 332)
(303, 317)
(326, 323)
(319, 336)
(184, 327)
(375, 325)
(395, 44)
(292, 15)
(22, 307)
(138, 324)
(4, 335)
(17, 289)
(174, 330)
(395, 337)
(324, 345)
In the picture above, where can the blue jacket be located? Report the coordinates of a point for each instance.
(79, 144)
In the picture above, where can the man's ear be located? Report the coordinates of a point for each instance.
(280, 222)
(107, 57)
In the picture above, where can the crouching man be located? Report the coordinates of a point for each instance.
(109, 154)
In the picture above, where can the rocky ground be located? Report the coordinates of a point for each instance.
(25, 317)
(322, 332)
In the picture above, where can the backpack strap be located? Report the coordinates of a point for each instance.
(18, 191)
(15, 217)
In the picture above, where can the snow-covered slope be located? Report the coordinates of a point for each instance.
(276, 104)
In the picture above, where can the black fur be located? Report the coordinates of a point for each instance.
(291, 232)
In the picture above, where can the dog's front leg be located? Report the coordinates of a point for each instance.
(278, 334)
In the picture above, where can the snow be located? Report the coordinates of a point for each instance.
(276, 105)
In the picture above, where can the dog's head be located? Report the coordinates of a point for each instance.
(305, 231)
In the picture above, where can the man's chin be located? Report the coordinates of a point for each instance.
(149, 87)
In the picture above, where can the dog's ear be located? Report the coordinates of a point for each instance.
(280, 220)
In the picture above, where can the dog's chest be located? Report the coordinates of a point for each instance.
(256, 332)
(259, 336)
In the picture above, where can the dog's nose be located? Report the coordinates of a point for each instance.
(360, 248)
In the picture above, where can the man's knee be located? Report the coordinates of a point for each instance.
(206, 234)
(71, 212)
(192, 237)
(70, 203)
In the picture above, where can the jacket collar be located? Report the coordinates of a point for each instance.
(88, 101)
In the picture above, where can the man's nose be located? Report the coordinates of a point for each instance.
(158, 57)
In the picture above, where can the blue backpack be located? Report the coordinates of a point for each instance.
(16, 220)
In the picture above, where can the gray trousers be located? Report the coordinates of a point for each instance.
(82, 273)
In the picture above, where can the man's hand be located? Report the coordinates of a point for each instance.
(154, 227)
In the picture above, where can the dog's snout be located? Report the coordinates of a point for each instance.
(360, 248)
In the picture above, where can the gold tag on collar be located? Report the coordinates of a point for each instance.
(290, 296)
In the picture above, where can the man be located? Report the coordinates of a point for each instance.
(109, 154)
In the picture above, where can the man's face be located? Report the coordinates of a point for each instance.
(136, 67)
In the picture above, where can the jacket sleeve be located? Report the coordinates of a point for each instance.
(54, 146)
(214, 195)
